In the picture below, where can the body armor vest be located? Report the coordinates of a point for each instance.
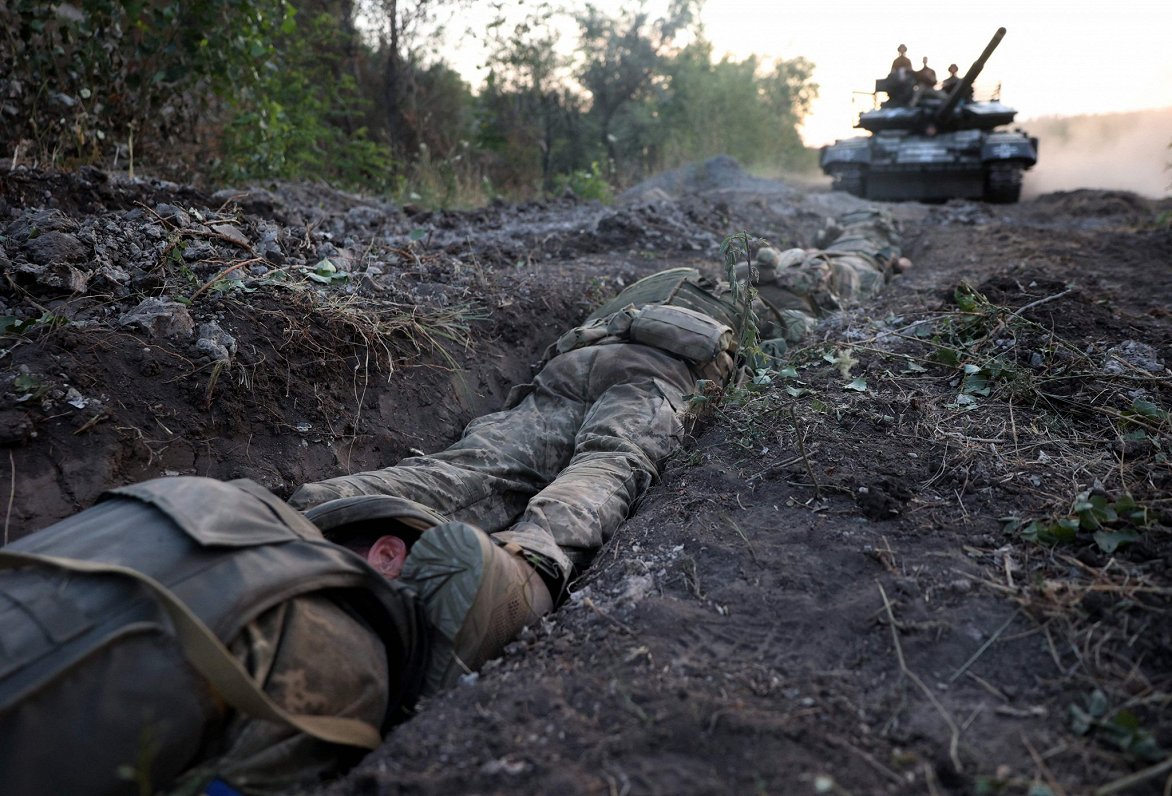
(676, 287)
(89, 664)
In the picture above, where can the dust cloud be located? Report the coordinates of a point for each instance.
(1122, 151)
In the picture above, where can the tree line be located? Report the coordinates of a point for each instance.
(356, 92)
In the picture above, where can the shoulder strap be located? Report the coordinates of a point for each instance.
(208, 655)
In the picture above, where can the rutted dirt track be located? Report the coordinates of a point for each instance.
(820, 596)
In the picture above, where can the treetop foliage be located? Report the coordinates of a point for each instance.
(353, 92)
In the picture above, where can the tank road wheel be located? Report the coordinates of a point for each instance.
(851, 179)
(1003, 183)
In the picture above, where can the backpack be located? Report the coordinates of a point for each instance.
(113, 626)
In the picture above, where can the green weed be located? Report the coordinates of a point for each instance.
(1112, 523)
(10, 325)
(586, 184)
(1120, 728)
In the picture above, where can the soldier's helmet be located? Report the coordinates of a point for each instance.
(365, 516)
(902, 48)
(768, 257)
(953, 69)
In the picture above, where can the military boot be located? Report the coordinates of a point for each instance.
(477, 597)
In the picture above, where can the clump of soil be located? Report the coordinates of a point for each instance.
(835, 587)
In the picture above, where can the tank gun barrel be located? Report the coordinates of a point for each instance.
(966, 82)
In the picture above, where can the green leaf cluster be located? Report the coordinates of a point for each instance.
(1120, 728)
(10, 325)
(1112, 523)
(585, 184)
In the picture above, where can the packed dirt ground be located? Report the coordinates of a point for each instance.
(927, 553)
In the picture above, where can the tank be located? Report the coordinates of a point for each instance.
(930, 145)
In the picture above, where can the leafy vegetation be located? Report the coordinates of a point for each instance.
(352, 92)
(1112, 522)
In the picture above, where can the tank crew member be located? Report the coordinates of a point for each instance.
(952, 81)
(926, 76)
(901, 61)
(900, 83)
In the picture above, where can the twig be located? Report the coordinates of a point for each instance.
(869, 759)
(793, 413)
(954, 741)
(1017, 313)
(589, 603)
(1055, 788)
(221, 275)
(1144, 774)
(93, 421)
(11, 494)
(736, 527)
(984, 647)
(930, 779)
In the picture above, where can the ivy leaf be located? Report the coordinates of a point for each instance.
(1110, 541)
(1145, 408)
(10, 324)
(947, 356)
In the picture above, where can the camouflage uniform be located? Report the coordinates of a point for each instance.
(798, 287)
(559, 469)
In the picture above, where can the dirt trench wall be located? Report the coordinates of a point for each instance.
(151, 330)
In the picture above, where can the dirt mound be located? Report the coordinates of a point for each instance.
(931, 554)
(1094, 208)
(717, 176)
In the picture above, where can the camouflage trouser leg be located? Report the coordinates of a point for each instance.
(635, 394)
(488, 475)
(572, 456)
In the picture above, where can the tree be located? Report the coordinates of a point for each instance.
(81, 81)
(733, 107)
(530, 120)
(621, 59)
(401, 27)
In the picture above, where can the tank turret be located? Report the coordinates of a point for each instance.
(933, 145)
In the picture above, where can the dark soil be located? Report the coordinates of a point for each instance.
(828, 591)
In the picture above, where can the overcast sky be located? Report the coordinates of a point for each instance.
(1058, 58)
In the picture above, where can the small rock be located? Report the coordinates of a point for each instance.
(160, 318)
(198, 250)
(254, 200)
(174, 214)
(1137, 355)
(231, 233)
(61, 277)
(215, 342)
(55, 247)
(365, 216)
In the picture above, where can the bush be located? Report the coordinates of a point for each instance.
(585, 184)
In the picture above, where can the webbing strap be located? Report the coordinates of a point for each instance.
(208, 655)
